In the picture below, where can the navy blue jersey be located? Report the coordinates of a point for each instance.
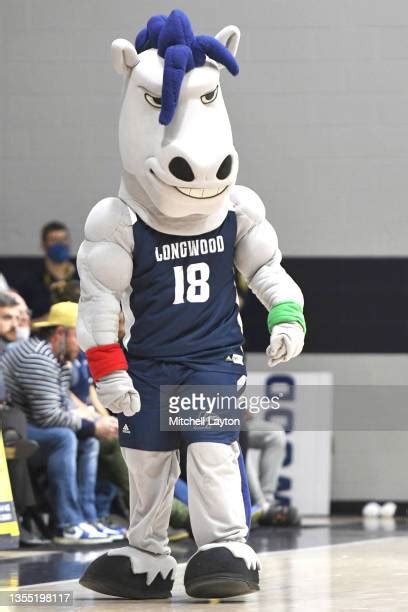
(183, 295)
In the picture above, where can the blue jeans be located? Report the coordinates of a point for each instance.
(105, 494)
(71, 469)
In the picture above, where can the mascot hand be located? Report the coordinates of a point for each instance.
(116, 392)
(287, 341)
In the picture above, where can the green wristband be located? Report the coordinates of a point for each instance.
(286, 312)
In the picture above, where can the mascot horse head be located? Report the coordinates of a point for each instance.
(175, 137)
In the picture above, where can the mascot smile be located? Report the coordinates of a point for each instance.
(163, 252)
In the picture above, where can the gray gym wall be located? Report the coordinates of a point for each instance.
(320, 118)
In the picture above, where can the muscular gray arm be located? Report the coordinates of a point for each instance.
(105, 268)
(257, 255)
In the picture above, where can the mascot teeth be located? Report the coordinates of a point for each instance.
(201, 193)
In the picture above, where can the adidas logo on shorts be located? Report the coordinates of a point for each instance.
(239, 359)
(125, 429)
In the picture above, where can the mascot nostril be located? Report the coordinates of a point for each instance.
(225, 169)
(164, 256)
(181, 169)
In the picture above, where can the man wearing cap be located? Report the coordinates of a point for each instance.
(37, 378)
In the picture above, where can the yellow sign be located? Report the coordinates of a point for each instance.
(8, 519)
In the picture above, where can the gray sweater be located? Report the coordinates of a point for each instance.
(39, 385)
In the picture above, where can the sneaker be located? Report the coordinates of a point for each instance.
(30, 535)
(256, 512)
(112, 531)
(280, 516)
(108, 521)
(84, 533)
(27, 538)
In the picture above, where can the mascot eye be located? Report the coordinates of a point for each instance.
(156, 102)
(210, 96)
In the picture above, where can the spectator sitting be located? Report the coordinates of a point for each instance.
(112, 470)
(45, 288)
(264, 460)
(12, 420)
(37, 378)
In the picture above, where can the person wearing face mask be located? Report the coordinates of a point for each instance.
(38, 378)
(51, 281)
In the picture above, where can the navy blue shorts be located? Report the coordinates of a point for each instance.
(143, 431)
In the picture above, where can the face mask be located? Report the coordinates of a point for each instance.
(58, 252)
(22, 333)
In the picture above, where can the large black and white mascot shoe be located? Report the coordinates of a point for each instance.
(131, 574)
(222, 570)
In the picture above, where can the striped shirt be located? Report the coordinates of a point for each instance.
(39, 385)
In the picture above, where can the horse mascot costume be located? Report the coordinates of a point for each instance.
(163, 252)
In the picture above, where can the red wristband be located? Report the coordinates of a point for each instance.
(103, 360)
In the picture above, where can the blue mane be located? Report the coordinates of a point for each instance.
(174, 40)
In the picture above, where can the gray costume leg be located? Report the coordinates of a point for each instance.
(145, 569)
(224, 565)
(216, 506)
(152, 477)
(264, 460)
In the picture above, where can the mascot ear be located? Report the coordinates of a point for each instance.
(229, 37)
(124, 56)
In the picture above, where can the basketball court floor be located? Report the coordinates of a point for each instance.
(338, 564)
